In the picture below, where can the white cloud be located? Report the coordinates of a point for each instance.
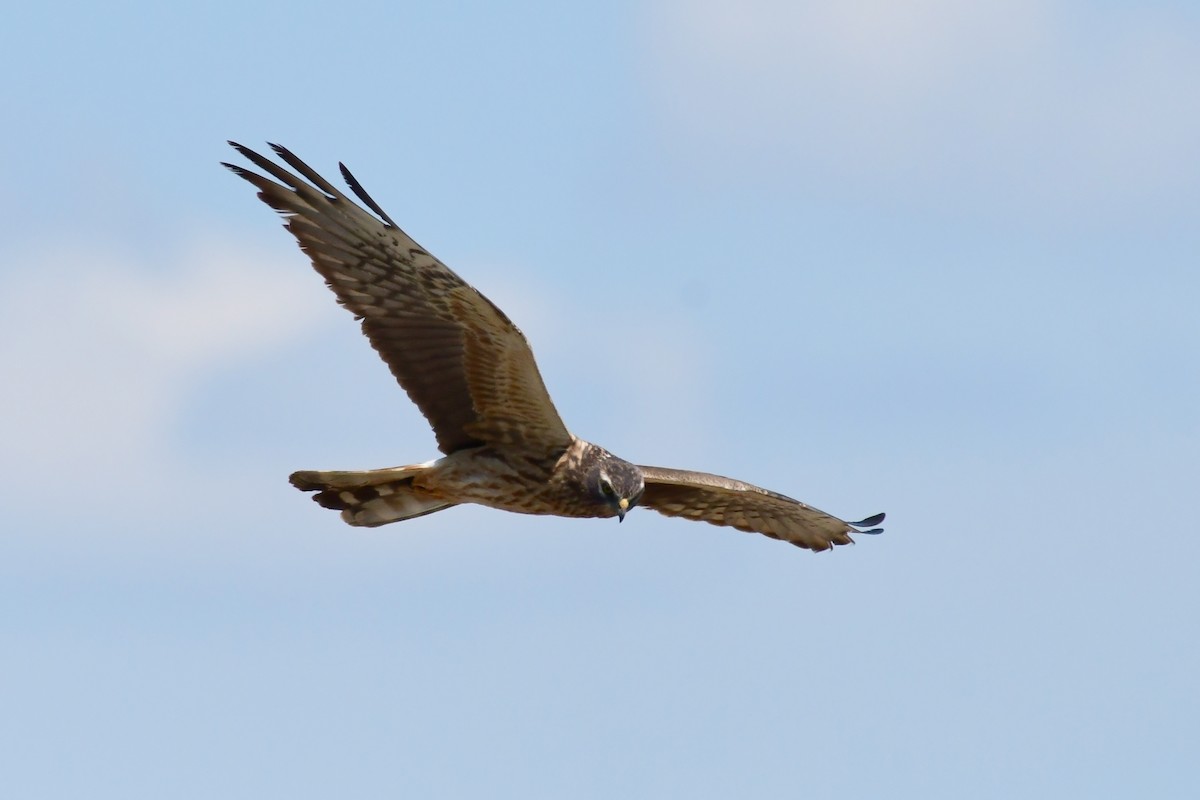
(102, 355)
(99, 354)
(873, 49)
(1046, 100)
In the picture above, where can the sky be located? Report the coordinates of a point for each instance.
(927, 257)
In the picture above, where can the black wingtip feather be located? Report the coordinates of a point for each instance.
(283, 152)
(304, 169)
(241, 148)
(357, 188)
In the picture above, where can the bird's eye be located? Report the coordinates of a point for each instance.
(606, 488)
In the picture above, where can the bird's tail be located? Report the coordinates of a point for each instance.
(369, 498)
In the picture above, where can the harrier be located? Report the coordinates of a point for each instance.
(470, 371)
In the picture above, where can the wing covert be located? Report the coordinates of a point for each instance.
(465, 365)
(718, 500)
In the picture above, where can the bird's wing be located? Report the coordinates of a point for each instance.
(724, 501)
(461, 360)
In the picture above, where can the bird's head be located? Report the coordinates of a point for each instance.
(617, 484)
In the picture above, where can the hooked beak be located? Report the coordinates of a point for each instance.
(622, 507)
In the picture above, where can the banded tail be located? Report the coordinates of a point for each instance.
(370, 498)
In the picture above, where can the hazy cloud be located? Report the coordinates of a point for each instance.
(99, 353)
(1043, 101)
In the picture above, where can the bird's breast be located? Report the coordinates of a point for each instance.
(511, 481)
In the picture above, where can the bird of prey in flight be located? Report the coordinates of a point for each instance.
(471, 372)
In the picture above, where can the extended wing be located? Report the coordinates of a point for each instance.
(724, 501)
(461, 360)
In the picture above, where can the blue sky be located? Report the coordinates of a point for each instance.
(931, 258)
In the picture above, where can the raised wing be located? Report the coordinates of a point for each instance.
(724, 501)
(461, 360)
